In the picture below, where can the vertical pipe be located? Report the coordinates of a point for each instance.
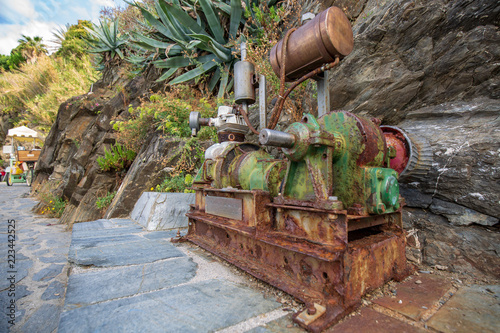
(243, 49)
(262, 102)
(323, 94)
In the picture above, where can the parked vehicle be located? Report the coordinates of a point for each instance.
(24, 152)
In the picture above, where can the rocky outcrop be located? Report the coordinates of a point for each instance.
(432, 69)
(153, 163)
(67, 166)
(469, 250)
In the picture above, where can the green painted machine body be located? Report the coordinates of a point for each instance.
(337, 162)
(244, 166)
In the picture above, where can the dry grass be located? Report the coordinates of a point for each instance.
(35, 91)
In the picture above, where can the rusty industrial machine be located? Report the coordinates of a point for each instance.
(324, 223)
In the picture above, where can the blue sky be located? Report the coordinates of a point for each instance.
(41, 17)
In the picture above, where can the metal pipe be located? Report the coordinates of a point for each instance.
(262, 102)
(274, 138)
(323, 85)
(243, 49)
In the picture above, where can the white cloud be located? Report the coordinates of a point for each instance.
(42, 17)
(11, 33)
(102, 3)
(16, 10)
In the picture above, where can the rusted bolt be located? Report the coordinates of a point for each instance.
(381, 207)
(376, 121)
(311, 311)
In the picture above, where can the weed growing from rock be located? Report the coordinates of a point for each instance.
(53, 205)
(103, 202)
(118, 158)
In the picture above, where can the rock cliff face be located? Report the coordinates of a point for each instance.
(432, 68)
(67, 165)
(150, 167)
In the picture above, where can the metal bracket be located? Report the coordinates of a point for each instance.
(305, 318)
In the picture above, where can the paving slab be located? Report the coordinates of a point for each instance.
(128, 253)
(48, 273)
(371, 321)
(54, 290)
(105, 224)
(110, 232)
(470, 309)
(106, 284)
(5, 301)
(280, 325)
(414, 299)
(51, 259)
(101, 240)
(162, 234)
(198, 307)
(44, 320)
(37, 309)
(21, 271)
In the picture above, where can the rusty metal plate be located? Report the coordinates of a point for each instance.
(230, 208)
(414, 299)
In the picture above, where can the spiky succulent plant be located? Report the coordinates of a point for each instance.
(201, 36)
(106, 40)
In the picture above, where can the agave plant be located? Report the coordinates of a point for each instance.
(191, 34)
(106, 41)
(59, 35)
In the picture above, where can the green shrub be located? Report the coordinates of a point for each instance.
(103, 203)
(54, 205)
(179, 183)
(118, 158)
(167, 113)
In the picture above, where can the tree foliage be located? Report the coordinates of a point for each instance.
(31, 48)
(71, 40)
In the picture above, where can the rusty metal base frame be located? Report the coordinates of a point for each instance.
(325, 258)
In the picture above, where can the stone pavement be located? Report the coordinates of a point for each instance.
(40, 271)
(117, 277)
(138, 281)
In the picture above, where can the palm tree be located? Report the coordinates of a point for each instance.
(31, 48)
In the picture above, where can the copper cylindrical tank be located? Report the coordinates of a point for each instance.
(314, 44)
